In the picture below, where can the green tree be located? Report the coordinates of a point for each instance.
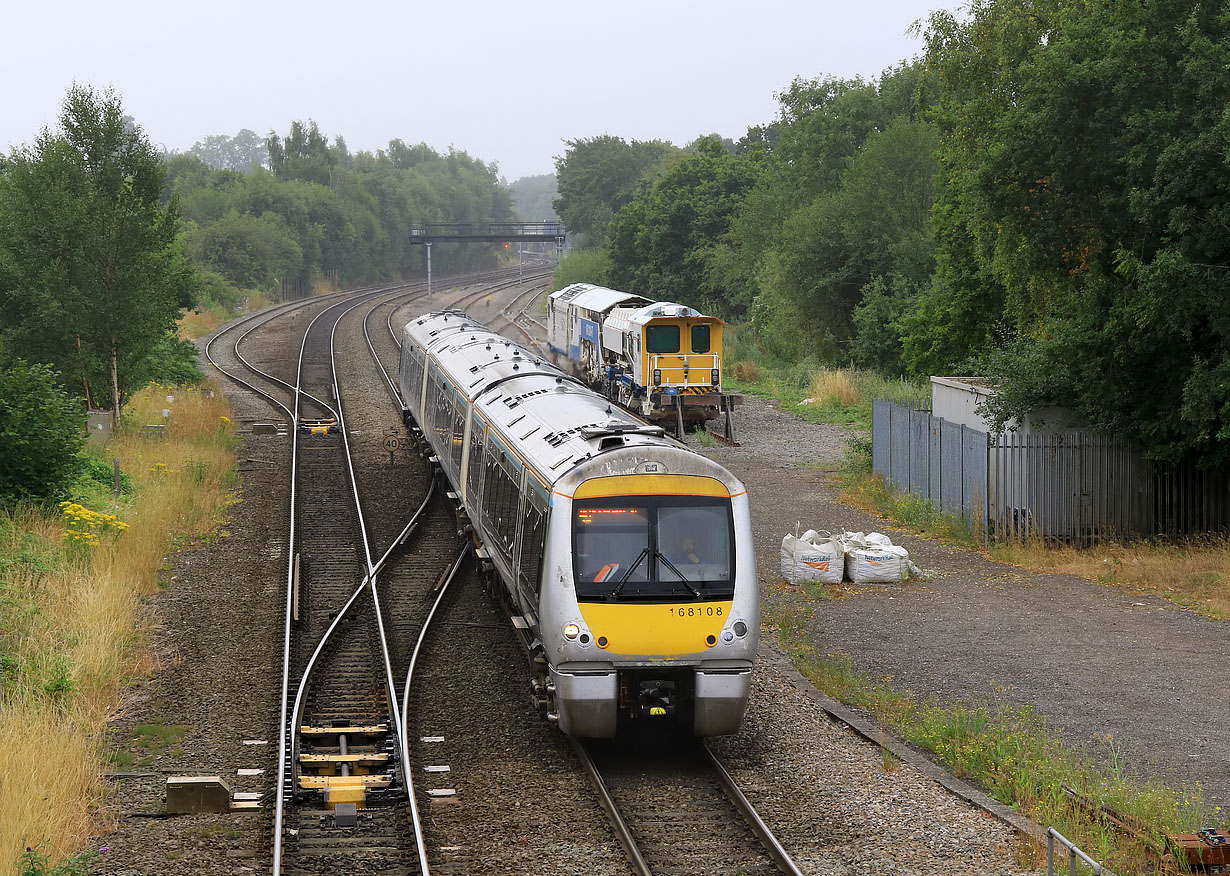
(1086, 174)
(598, 176)
(659, 243)
(41, 431)
(533, 195)
(250, 252)
(242, 152)
(822, 125)
(875, 224)
(91, 277)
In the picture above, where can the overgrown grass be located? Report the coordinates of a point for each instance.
(869, 492)
(71, 629)
(813, 391)
(1194, 573)
(1007, 749)
(209, 316)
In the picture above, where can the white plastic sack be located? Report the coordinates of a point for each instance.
(813, 556)
(872, 558)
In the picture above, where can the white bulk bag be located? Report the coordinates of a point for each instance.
(874, 559)
(813, 556)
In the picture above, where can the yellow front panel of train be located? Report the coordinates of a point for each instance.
(664, 631)
(651, 485)
(684, 351)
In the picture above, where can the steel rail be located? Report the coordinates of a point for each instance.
(494, 275)
(365, 294)
(537, 290)
(265, 317)
(300, 703)
(285, 728)
(368, 582)
(420, 837)
(622, 832)
(390, 688)
(280, 796)
(214, 362)
(779, 855)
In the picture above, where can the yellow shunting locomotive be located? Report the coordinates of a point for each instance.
(660, 360)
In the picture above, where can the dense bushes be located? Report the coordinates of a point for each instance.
(41, 431)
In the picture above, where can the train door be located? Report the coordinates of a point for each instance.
(474, 463)
(574, 333)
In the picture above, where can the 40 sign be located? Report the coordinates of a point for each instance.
(392, 444)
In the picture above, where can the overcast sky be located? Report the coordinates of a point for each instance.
(505, 82)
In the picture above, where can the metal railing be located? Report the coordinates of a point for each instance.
(1073, 854)
(1074, 486)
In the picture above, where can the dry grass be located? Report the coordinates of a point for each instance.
(747, 371)
(206, 319)
(50, 778)
(73, 622)
(832, 388)
(1194, 573)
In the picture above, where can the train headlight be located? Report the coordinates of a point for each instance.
(715, 377)
(657, 377)
(728, 636)
(740, 629)
(571, 631)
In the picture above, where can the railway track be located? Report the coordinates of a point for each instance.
(345, 798)
(356, 628)
(677, 812)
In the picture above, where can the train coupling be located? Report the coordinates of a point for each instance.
(657, 699)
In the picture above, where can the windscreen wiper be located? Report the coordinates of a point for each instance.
(686, 583)
(628, 574)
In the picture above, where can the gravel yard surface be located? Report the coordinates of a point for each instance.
(1106, 667)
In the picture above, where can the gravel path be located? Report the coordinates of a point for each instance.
(1113, 672)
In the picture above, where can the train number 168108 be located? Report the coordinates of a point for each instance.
(697, 611)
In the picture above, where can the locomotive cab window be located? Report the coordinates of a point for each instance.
(653, 548)
(700, 339)
(662, 339)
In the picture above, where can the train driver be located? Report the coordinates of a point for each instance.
(686, 552)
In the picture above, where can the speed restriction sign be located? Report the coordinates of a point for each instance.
(391, 443)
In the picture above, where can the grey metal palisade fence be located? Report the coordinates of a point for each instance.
(1074, 486)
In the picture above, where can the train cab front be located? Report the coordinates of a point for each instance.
(662, 630)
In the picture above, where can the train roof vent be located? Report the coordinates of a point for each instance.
(616, 428)
(555, 439)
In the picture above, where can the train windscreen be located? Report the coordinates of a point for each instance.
(653, 548)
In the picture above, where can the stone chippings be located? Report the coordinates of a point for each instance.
(826, 795)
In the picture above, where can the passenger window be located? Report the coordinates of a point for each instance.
(662, 339)
(700, 339)
(459, 426)
(533, 536)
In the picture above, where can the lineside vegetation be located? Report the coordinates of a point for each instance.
(72, 628)
(1006, 748)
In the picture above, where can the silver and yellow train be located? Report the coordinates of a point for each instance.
(627, 558)
(661, 360)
